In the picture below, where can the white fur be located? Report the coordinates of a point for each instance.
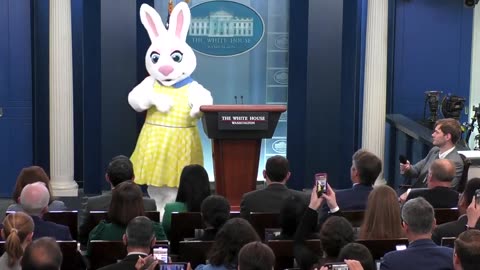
(165, 43)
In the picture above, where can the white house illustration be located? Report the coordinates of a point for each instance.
(221, 24)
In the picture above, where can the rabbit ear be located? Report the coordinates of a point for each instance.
(180, 20)
(151, 21)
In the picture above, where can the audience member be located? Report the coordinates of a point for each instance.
(127, 203)
(446, 134)
(438, 192)
(18, 232)
(335, 233)
(194, 187)
(290, 215)
(215, 212)
(270, 199)
(139, 238)
(364, 171)
(469, 212)
(358, 252)
(382, 216)
(256, 256)
(119, 170)
(422, 253)
(42, 254)
(31, 175)
(34, 200)
(467, 251)
(233, 235)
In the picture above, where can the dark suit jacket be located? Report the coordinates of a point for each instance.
(420, 169)
(128, 263)
(102, 203)
(438, 197)
(50, 229)
(354, 198)
(451, 229)
(269, 199)
(420, 254)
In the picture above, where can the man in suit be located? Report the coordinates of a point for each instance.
(43, 253)
(119, 170)
(365, 169)
(422, 253)
(439, 179)
(139, 238)
(467, 251)
(469, 214)
(446, 134)
(34, 199)
(271, 198)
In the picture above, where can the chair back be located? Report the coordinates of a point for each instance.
(354, 216)
(283, 250)
(379, 247)
(444, 215)
(261, 220)
(195, 252)
(67, 218)
(463, 180)
(183, 226)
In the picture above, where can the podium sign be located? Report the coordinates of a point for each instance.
(237, 132)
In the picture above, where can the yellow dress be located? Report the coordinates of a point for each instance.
(168, 141)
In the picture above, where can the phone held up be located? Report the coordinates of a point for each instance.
(477, 196)
(321, 183)
(403, 159)
(337, 266)
(161, 253)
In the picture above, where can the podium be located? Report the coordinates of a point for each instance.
(237, 132)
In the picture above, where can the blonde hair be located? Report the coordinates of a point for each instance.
(16, 228)
(382, 216)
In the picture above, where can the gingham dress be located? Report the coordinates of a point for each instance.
(168, 141)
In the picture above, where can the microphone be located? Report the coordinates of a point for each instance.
(241, 98)
(235, 97)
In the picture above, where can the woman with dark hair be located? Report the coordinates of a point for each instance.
(18, 232)
(382, 216)
(30, 175)
(233, 235)
(126, 204)
(193, 189)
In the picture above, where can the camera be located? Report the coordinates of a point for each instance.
(471, 3)
(336, 266)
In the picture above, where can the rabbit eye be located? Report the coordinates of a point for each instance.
(154, 56)
(177, 56)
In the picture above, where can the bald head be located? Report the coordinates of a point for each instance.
(34, 198)
(442, 172)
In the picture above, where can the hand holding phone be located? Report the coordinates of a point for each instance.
(321, 183)
(161, 253)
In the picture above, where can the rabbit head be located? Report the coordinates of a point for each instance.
(169, 59)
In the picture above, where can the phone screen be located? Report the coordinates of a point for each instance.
(400, 247)
(337, 266)
(321, 183)
(172, 266)
(477, 196)
(161, 253)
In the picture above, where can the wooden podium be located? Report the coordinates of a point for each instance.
(237, 132)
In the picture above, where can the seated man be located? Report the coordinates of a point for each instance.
(439, 179)
(467, 251)
(446, 134)
(43, 253)
(119, 170)
(364, 171)
(469, 214)
(139, 238)
(422, 253)
(270, 199)
(34, 200)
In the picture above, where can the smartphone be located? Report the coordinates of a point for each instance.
(321, 183)
(161, 253)
(172, 266)
(400, 247)
(402, 159)
(477, 196)
(337, 266)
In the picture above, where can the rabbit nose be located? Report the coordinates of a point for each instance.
(165, 70)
